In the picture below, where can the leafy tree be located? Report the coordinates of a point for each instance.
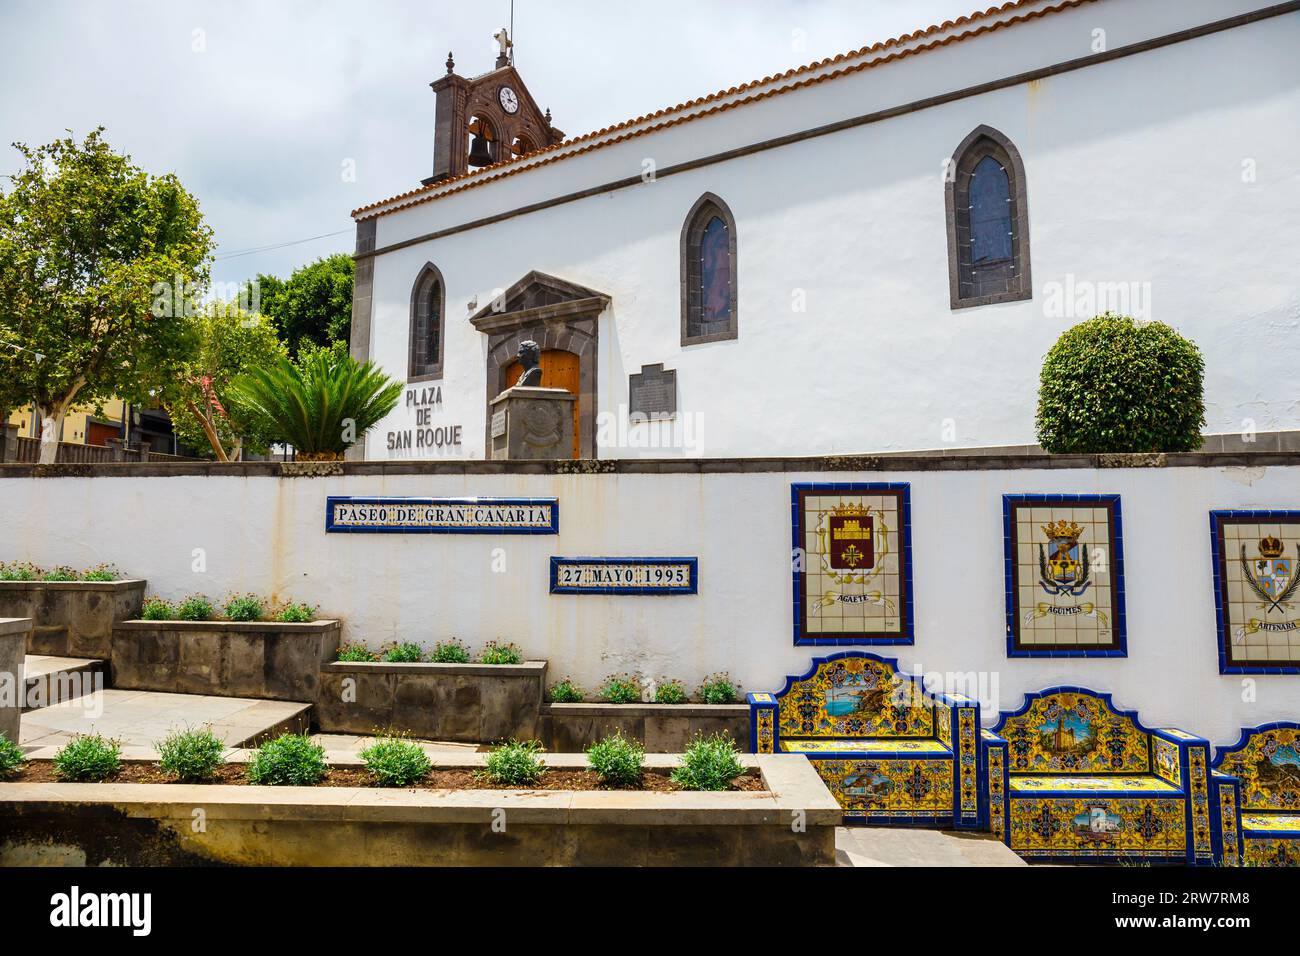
(314, 305)
(321, 407)
(98, 262)
(229, 341)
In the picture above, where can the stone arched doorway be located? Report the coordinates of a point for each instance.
(559, 316)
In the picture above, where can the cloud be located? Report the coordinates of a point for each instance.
(257, 105)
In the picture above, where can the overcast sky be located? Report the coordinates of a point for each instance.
(257, 104)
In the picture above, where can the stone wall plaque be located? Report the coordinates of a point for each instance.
(1064, 575)
(624, 575)
(852, 563)
(346, 515)
(652, 392)
(498, 423)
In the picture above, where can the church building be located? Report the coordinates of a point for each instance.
(867, 254)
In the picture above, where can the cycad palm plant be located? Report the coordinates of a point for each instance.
(322, 406)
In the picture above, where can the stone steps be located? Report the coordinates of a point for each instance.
(51, 680)
(143, 718)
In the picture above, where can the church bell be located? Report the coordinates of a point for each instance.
(479, 152)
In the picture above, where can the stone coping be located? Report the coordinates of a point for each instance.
(792, 784)
(260, 627)
(526, 669)
(973, 460)
(604, 709)
(126, 584)
(15, 625)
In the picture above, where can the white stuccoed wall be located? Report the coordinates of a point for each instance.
(266, 535)
(1135, 175)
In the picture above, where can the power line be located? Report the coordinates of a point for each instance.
(278, 245)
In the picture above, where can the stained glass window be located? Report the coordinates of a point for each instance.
(990, 212)
(426, 324)
(715, 273)
(988, 222)
(708, 272)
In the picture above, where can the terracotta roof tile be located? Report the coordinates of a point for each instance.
(631, 128)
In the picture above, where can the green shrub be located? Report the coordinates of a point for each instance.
(100, 572)
(156, 609)
(495, 652)
(709, 763)
(516, 763)
(406, 653)
(290, 760)
(621, 689)
(1115, 385)
(11, 757)
(195, 608)
(244, 607)
(191, 755)
(60, 574)
(450, 652)
(617, 761)
(321, 405)
(353, 653)
(19, 571)
(395, 762)
(87, 757)
(565, 692)
(670, 692)
(296, 614)
(718, 689)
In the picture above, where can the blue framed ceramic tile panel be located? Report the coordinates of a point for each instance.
(625, 575)
(852, 563)
(1063, 576)
(361, 515)
(1256, 560)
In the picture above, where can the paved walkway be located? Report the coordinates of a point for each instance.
(885, 846)
(141, 718)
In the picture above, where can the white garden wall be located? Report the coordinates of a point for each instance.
(266, 534)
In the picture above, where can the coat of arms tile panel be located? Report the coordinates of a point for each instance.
(852, 571)
(1257, 589)
(1064, 575)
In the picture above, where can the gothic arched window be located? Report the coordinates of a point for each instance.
(428, 300)
(988, 222)
(708, 272)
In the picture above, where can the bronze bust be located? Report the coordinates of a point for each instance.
(530, 356)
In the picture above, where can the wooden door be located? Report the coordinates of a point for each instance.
(559, 370)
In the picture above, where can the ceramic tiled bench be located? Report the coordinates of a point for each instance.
(1258, 782)
(892, 753)
(1072, 779)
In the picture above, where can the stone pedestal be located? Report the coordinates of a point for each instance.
(531, 424)
(13, 651)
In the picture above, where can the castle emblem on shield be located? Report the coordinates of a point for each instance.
(1271, 575)
(852, 540)
(1063, 561)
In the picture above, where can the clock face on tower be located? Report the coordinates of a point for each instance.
(509, 100)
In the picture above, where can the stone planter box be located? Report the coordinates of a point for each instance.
(224, 658)
(72, 618)
(661, 728)
(461, 702)
(152, 824)
(14, 635)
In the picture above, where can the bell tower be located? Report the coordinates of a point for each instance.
(486, 119)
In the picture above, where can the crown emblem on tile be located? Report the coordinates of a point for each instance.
(857, 510)
(1271, 547)
(1063, 529)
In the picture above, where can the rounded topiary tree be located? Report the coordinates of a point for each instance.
(1115, 385)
